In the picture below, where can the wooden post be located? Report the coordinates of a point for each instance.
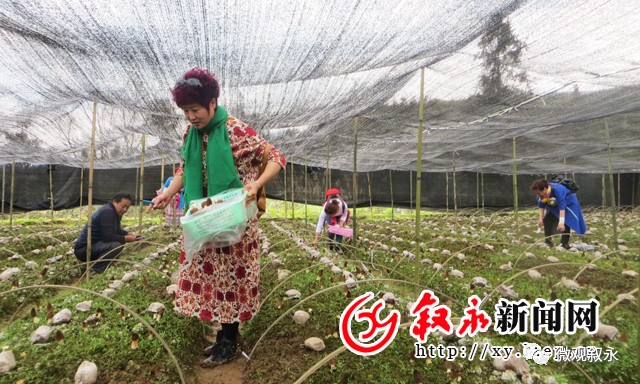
(604, 193)
(482, 189)
(293, 200)
(90, 192)
(633, 190)
(13, 176)
(51, 190)
(141, 206)
(3, 179)
(455, 196)
(327, 174)
(446, 190)
(515, 189)
(619, 201)
(614, 221)
(162, 172)
(419, 165)
(391, 190)
(81, 184)
(356, 122)
(370, 202)
(477, 190)
(286, 211)
(136, 197)
(306, 192)
(411, 193)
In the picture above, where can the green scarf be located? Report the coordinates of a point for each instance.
(221, 170)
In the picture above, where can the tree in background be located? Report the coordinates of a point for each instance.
(500, 54)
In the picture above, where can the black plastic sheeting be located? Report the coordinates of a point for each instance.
(31, 189)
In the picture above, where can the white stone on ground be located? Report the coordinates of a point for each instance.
(87, 373)
(315, 344)
(156, 307)
(277, 263)
(456, 273)
(283, 274)
(479, 281)
(9, 273)
(389, 298)
(116, 284)
(293, 294)
(570, 284)
(630, 274)
(301, 317)
(41, 335)
(534, 274)
(606, 332)
(507, 292)
(626, 298)
(506, 267)
(84, 306)
(515, 364)
(7, 361)
(553, 259)
(129, 276)
(171, 289)
(62, 317)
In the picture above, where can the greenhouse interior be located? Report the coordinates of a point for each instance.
(437, 122)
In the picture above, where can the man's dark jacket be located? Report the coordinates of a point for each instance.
(105, 226)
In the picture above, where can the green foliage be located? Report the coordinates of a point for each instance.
(500, 54)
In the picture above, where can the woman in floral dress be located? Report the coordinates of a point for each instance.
(219, 152)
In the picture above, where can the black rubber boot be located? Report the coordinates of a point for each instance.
(226, 351)
(210, 350)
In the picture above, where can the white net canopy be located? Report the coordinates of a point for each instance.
(560, 78)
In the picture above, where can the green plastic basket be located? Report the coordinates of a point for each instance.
(217, 218)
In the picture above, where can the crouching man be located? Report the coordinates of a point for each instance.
(107, 237)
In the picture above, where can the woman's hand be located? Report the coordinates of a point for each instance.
(560, 227)
(252, 192)
(160, 202)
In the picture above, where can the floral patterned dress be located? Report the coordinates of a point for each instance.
(221, 284)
